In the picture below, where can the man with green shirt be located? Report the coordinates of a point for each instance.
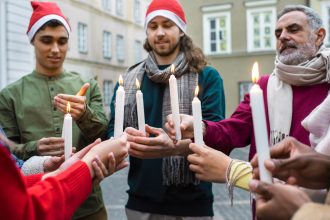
(161, 186)
(32, 109)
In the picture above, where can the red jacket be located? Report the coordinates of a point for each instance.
(27, 197)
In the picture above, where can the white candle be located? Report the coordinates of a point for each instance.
(119, 109)
(67, 133)
(175, 104)
(259, 126)
(197, 115)
(140, 107)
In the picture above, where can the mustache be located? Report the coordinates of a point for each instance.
(288, 45)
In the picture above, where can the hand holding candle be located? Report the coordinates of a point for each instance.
(197, 115)
(175, 103)
(259, 125)
(119, 109)
(67, 131)
(140, 107)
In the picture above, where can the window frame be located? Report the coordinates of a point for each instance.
(207, 32)
(82, 38)
(120, 47)
(107, 34)
(250, 30)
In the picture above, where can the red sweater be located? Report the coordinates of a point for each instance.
(55, 197)
(237, 131)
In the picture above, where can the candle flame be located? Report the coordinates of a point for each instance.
(137, 83)
(196, 91)
(255, 72)
(68, 107)
(172, 69)
(120, 80)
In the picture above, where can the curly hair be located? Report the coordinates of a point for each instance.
(194, 55)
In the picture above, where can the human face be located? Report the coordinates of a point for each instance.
(296, 41)
(163, 36)
(51, 46)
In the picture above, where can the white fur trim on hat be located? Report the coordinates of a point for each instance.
(167, 14)
(44, 20)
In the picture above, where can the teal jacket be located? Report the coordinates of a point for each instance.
(146, 192)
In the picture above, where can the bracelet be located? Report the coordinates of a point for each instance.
(232, 177)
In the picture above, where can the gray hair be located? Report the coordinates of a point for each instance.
(314, 20)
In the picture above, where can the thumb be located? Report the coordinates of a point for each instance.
(83, 90)
(196, 149)
(152, 130)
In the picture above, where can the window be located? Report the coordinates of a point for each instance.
(260, 28)
(107, 92)
(137, 11)
(82, 38)
(107, 46)
(106, 4)
(244, 88)
(138, 51)
(119, 7)
(325, 7)
(120, 49)
(217, 39)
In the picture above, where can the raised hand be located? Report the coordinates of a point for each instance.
(77, 102)
(277, 201)
(50, 146)
(288, 148)
(208, 164)
(145, 147)
(186, 126)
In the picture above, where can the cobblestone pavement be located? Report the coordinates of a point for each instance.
(115, 196)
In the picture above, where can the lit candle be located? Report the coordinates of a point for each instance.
(67, 133)
(175, 103)
(259, 125)
(197, 115)
(119, 109)
(140, 107)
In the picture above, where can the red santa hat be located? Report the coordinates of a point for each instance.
(170, 9)
(42, 13)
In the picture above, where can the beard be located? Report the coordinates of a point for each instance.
(293, 54)
(165, 50)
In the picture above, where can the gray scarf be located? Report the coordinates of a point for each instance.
(279, 90)
(175, 168)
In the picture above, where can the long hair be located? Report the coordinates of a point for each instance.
(194, 55)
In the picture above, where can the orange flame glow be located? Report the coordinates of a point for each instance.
(120, 80)
(68, 107)
(196, 91)
(255, 72)
(172, 69)
(137, 83)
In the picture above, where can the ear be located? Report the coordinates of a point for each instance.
(320, 34)
(181, 33)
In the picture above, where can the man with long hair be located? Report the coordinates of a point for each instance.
(161, 185)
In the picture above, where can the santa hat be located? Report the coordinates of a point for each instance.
(170, 9)
(42, 13)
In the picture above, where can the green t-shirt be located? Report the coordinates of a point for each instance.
(146, 192)
(27, 114)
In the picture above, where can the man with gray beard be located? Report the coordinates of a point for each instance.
(298, 84)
